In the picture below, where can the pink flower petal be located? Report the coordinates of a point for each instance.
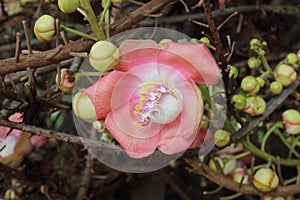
(100, 93)
(135, 147)
(194, 61)
(200, 58)
(132, 45)
(180, 134)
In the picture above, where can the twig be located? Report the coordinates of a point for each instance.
(27, 37)
(231, 185)
(59, 135)
(223, 64)
(86, 179)
(18, 47)
(226, 20)
(185, 6)
(38, 60)
(198, 23)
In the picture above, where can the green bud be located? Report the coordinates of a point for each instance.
(255, 105)
(291, 121)
(183, 41)
(250, 85)
(292, 58)
(44, 28)
(254, 62)
(233, 73)
(254, 41)
(205, 40)
(68, 6)
(194, 41)
(276, 87)
(104, 56)
(238, 101)
(265, 180)
(221, 138)
(285, 74)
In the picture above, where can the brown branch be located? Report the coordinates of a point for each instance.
(222, 180)
(58, 135)
(223, 63)
(40, 59)
(87, 175)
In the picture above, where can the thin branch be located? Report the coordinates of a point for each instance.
(82, 45)
(59, 135)
(222, 180)
(87, 175)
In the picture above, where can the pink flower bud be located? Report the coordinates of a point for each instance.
(265, 180)
(38, 141)
(66, 81)
(285, 74)
(291, 121)
(255, 105)
(240, 175)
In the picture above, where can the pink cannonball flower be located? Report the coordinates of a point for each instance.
(14, 144)
(151, 100)
(38, 141)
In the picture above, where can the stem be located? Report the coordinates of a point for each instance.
(81, 74)
(91, 17)
(293, 146)
(65, 28)
(269, 132)
(238, 156)
(286, 143)
(267, 66)
(105, 16)
(288, 162)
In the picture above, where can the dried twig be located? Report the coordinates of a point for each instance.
(87, 175)
(40, 59)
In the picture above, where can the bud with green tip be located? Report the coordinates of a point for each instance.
(233, 73)
(285, 74)
(205, 40)
(68, 6)
(66, 81)
(227, 167)
(253, 42)
(276, 87)
(221, 138)
(240, 176)
(265, 180)
(291, 121)
(250, 85)
(292, 58)
(104, 56)
(255, 105)
(44, 28)
(83, 107)
(253, 62)
(238, 101)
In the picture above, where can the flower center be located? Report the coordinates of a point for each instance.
(157, 103)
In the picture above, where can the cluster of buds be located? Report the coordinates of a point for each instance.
(250, 100)
(16, 144)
